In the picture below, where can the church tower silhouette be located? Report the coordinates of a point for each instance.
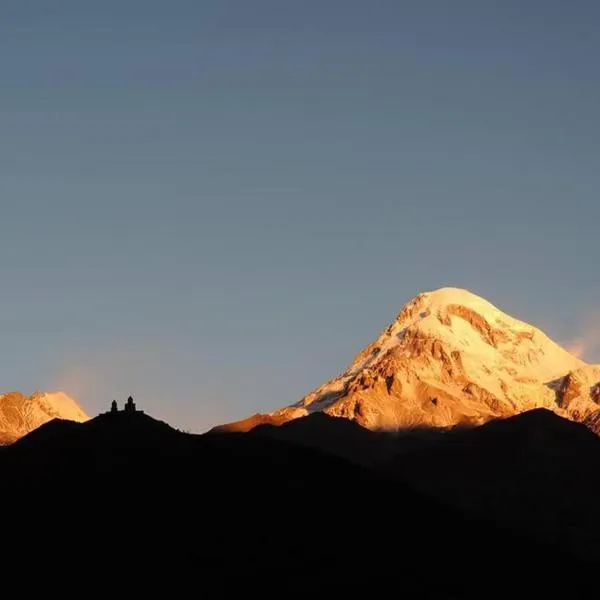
(130, 405)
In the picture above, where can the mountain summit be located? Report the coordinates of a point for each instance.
(20, 414)
(451, 358)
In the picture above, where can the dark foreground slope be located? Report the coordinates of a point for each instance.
(127, 502)
(334, 435)
(535, 472)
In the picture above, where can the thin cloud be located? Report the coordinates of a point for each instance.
(586, 345)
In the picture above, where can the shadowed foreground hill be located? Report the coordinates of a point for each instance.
(126, 497)
(536, 472)
(334, 435)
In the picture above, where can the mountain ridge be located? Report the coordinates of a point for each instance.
(450, 357)
(535, 472)
(21, 414)
(251, 507)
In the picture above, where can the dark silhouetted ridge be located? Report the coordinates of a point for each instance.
(335, 435)
(132, 502)
(536, 473)
(105, 429)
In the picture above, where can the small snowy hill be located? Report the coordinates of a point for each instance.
(20, 414)
(451, 357)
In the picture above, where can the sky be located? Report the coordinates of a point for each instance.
(214, 205)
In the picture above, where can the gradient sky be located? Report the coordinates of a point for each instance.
(214, 205)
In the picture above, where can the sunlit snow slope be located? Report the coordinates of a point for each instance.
(20, 414)
(451, 357)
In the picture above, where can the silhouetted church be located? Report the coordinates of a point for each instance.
(129, 407)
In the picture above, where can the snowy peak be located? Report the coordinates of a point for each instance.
(20, 414)
(464, 322)
(451, 357)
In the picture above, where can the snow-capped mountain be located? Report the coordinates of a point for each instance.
(20, 414)
(451, 357)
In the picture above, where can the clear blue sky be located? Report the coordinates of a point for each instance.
(213, 205)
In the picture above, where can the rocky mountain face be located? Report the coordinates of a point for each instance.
(20, 414)
(452, 358)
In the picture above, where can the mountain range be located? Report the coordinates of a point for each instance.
(451, 358)
(457, 456)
